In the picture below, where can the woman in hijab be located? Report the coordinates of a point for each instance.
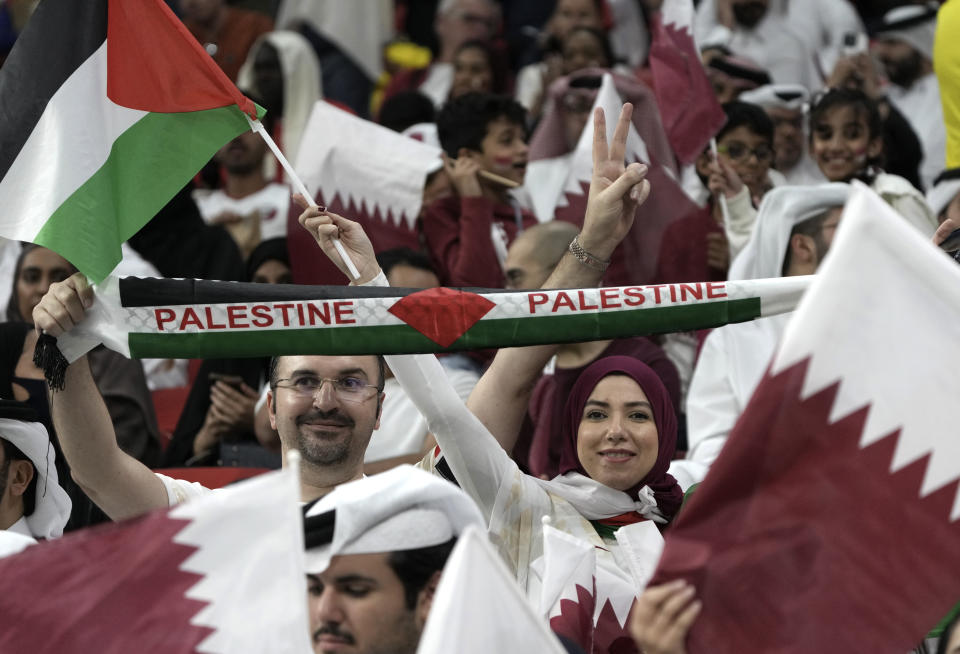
(614, 494)
(610, 501)
(120, 380)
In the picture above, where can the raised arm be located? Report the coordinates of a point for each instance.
(501, 396)
(119, 484)
(477, 462)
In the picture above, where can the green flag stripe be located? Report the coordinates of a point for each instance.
(148, 164)
(403, 339)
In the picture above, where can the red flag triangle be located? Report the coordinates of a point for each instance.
(442, 314)
(154, 63)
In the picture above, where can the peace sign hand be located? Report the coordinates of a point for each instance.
(616, 191)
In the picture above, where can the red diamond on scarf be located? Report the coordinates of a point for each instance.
(442, 314)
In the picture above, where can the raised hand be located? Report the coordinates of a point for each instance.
(723, 179)
(616, 190)
(464, 173)
(64, 305)
(662, 616)
(234, 405)
(326, 227)
(718, 251)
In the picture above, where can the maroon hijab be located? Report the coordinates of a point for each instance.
(664, 486)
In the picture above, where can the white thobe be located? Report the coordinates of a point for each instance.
(920, 105)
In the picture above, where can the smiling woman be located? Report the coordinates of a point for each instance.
(620, 430)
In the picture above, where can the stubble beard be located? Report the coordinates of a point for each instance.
(404, 637)
(315, 449)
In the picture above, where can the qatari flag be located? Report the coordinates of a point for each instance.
(689, 109)
(365, 172)
(831, 520)
(222, 574)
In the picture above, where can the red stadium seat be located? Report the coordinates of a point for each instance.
(212, 477)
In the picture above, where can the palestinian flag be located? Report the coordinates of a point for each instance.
(831, 520)
(109, 107)
(187, 318)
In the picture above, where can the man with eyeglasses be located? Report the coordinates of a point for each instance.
(324, 406)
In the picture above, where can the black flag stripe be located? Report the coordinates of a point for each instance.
(58, 38)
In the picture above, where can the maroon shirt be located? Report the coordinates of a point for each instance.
(457, 234)
(683, 250)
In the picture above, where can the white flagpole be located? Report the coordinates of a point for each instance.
(258, 127)
(720, 196)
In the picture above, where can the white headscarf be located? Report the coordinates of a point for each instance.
(301, 83)
(782, 209)
(52, 507)
(778, 96)
(360, 27)
(401, 509)
(912, 24)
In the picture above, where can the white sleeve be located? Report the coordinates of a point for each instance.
(712, 406)
(179, 491)
(477, 461)
(462, 381)
(742, 219)
(475, 458)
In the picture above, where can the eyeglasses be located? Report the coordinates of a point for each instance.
(346, 389)
(740, 152)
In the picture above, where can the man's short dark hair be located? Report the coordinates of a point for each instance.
(812, 227)
(389, 259)
(416, 567)
(744, 114)
(275, 365)
(464, 121)
(13, 453)
(406, 109)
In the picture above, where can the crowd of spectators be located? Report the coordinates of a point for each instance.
(816, 94)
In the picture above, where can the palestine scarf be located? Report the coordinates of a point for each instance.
(187, 318)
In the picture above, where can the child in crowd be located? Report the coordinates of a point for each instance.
(846, 142)
(467, 235)
(699, 247)
(476, 69)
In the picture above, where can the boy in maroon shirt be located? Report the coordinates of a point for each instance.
(468, 234)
